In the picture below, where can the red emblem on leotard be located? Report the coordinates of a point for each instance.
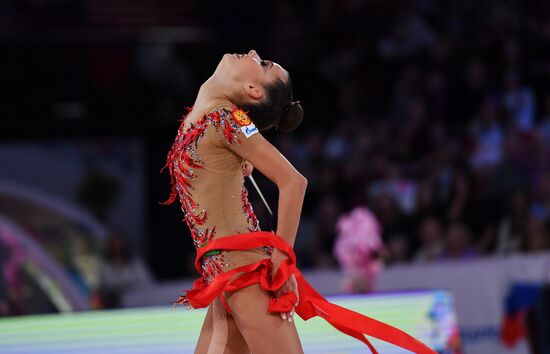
(241, 117)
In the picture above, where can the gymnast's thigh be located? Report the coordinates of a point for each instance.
(265, 332)
(219, 333)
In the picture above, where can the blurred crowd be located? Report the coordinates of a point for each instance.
(439, 123)
(435, 115)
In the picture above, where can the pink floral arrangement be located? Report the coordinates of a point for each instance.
(357, 249)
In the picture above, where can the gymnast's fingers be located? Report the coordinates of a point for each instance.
(287, 315)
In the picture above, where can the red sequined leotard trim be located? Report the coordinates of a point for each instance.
(182, 161)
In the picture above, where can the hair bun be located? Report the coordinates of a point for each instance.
(292, 117)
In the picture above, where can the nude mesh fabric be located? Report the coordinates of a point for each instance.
(218, 188)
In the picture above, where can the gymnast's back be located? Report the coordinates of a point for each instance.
(206, 165)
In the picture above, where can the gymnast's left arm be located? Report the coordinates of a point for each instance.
(267, 159)
(291, 185)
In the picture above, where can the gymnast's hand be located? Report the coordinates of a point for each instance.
(247, 168)
(291, 285)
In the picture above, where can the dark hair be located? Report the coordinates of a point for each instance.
(277, 110)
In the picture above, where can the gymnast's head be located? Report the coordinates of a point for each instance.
(261, 87)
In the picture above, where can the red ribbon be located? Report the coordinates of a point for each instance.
(311, 302)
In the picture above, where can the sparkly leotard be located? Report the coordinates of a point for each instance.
(206, 168)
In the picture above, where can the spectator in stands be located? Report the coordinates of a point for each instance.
(512, 227)
(458, 243)
(541, 205)
(328, 213)
(488, 135)
(120, 270)
(537, 237)
(519, 101)
(544, 126)
(398, 249)
(431, 240)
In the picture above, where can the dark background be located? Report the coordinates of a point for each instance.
(448, 98)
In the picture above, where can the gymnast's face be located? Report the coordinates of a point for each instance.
(247, 74)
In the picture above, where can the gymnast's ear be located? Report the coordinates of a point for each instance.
(253, 91)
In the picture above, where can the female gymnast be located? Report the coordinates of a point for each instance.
(249, 279)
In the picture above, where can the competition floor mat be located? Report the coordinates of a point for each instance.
(427, 315)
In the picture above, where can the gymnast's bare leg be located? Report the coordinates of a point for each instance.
(263, 331)
(219, 333)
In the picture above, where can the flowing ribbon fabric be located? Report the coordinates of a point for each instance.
(311, 303)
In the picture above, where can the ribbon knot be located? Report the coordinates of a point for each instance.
(284, 303)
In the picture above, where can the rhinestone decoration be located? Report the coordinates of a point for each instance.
(253, 224)
(181, 160)
(212, 265)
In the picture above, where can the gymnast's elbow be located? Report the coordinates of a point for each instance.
(290, 179)
(302, 181)
(299, 182)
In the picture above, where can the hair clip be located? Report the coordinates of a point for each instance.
(291, 104)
